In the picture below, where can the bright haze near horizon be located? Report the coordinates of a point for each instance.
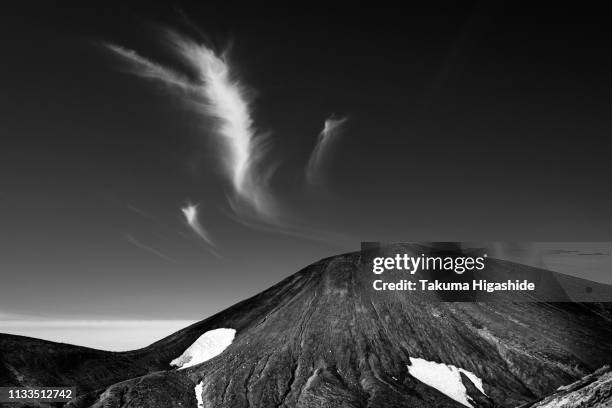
(161, 164)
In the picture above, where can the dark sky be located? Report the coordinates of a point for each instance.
(464, 123)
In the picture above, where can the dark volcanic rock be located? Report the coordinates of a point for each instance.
(592, 391)
(31, 362)
(324, 338)
(478, 399)
(162, 389)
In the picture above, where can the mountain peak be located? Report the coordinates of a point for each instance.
(325, 337)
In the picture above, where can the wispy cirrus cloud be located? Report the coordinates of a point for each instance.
(149, 249)
(148, 69)
(215, 92)
(208, 83)
(190, 211)
(319, 158)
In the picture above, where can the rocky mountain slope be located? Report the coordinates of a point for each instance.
(324, 338)
(592, 391)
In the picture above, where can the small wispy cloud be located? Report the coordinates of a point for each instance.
(129, 238)
(140, 211)
(190, 211)
(148, 69)
(317, 164)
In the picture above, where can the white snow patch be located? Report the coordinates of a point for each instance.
(445, 378)
(198, 392)
(210, 344)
